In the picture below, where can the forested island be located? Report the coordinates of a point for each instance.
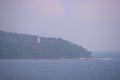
(23, 46)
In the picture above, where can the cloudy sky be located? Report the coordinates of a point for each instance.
(93, 24)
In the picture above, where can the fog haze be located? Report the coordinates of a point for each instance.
(93, 24)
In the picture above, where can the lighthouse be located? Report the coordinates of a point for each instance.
(38, 40)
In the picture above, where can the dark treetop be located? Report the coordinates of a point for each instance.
(22, 46)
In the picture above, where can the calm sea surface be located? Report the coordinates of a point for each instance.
(59, 70)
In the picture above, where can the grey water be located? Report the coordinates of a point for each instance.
(59, 70)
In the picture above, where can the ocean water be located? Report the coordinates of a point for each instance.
(59, 70)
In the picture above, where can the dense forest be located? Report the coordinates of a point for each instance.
(23, 46)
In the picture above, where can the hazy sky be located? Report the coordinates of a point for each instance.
(93, 24)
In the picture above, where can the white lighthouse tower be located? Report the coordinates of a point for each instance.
(38, 40)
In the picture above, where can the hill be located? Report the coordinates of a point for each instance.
(22, 46)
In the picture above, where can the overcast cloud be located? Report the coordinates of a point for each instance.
(93, 24)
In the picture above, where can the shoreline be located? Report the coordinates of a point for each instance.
(81, 59)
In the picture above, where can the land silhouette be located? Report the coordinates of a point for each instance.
(24, 46)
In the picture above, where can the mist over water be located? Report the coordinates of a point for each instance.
(111, 55)
(92, 24)
(59, 70)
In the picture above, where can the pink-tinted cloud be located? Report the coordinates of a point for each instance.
(46, 7)
(97, 9)
(101, 21)
(86, 9)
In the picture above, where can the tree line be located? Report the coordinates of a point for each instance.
(23, 46)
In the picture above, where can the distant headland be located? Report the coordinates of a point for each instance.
(22, 46)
